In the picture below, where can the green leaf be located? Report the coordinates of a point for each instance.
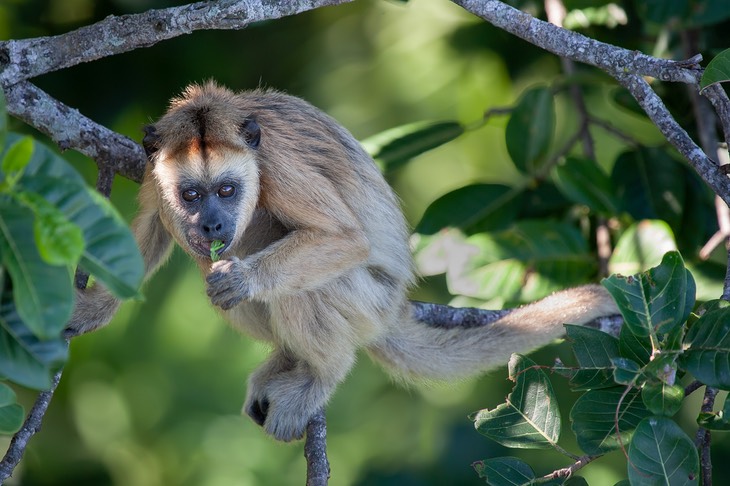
(650, 184)
(662, 399)
(656, 301)
(593, 418)
(59, 241)
(716, 420)
(490, 206)
(504, 471)
(523, 263)
(530, 418)
(11, 413)
(583, 182)
(707, 353)
(637, 349)
(396, 146)
(530, 129)
(214, 247)
(626, 371)
(594, 350)
(662, 11)
(717, 71)
(641, 247)
(16, 158)
(110, 252)
(25, 359)
(661, 453)
(43, 293)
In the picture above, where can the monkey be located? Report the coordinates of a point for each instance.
(315, 258)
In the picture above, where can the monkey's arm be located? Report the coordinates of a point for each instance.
(95, 306)
(324, 241)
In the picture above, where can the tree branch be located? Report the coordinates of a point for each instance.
(24, 59)
(30, 427)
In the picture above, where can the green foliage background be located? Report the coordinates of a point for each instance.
(154, 398)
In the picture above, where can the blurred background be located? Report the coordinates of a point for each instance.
(155, 397)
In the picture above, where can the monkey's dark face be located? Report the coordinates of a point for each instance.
(207, 200)
(209, 213)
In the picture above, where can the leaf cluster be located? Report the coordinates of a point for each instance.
(50, 223)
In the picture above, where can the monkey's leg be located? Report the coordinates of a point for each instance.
(315, 351)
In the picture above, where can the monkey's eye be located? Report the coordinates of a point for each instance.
(226, 190)
(190, 195)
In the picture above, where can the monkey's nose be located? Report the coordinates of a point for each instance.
(213, 230)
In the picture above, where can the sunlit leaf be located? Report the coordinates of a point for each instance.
(523, 263)
(530, 129)
(707, 354)
(59, 241)
(593, 418)
(661, 453)
(490, 206)
(16, 158)
(530, 417)
(396, 146)
(504, 471)
(641, 246)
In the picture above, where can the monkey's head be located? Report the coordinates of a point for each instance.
(203, 155)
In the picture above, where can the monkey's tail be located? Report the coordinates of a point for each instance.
(417, 349)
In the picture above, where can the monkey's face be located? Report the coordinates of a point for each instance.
(207, 199)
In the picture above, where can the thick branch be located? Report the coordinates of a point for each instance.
(27, 58)
(70, 129)
(315, 451)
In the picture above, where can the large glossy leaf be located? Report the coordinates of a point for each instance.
(641, 246)
(504, 471)
(24, 358)
(594, 350)
(707, 353)
(396, 146)
(488, 206)
(110, 253)
(583, 182)
(650, 184)
(662, 398)
(522, 263)
(530, 418)
(661, 453)
(530, 129)
(43, 293)
(593, 418)
(717, 71)
(11, 412)
(656, 301)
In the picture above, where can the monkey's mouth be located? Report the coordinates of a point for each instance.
(203, 247)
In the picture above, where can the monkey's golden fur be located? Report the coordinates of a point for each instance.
(316, 262)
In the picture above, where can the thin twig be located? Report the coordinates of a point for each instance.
(30, 427)
(567, 472)
(315, 451)
(703, 438)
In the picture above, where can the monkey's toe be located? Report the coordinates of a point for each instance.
(258, 411)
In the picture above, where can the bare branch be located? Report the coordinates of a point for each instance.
(31, 425)
(70, 129)
(27, 58)
(315, 451)
(577, 47)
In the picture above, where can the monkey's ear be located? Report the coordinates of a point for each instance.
(251, 132)
(150, 139)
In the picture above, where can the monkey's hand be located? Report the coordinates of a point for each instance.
(229, 282)
(95, 307)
